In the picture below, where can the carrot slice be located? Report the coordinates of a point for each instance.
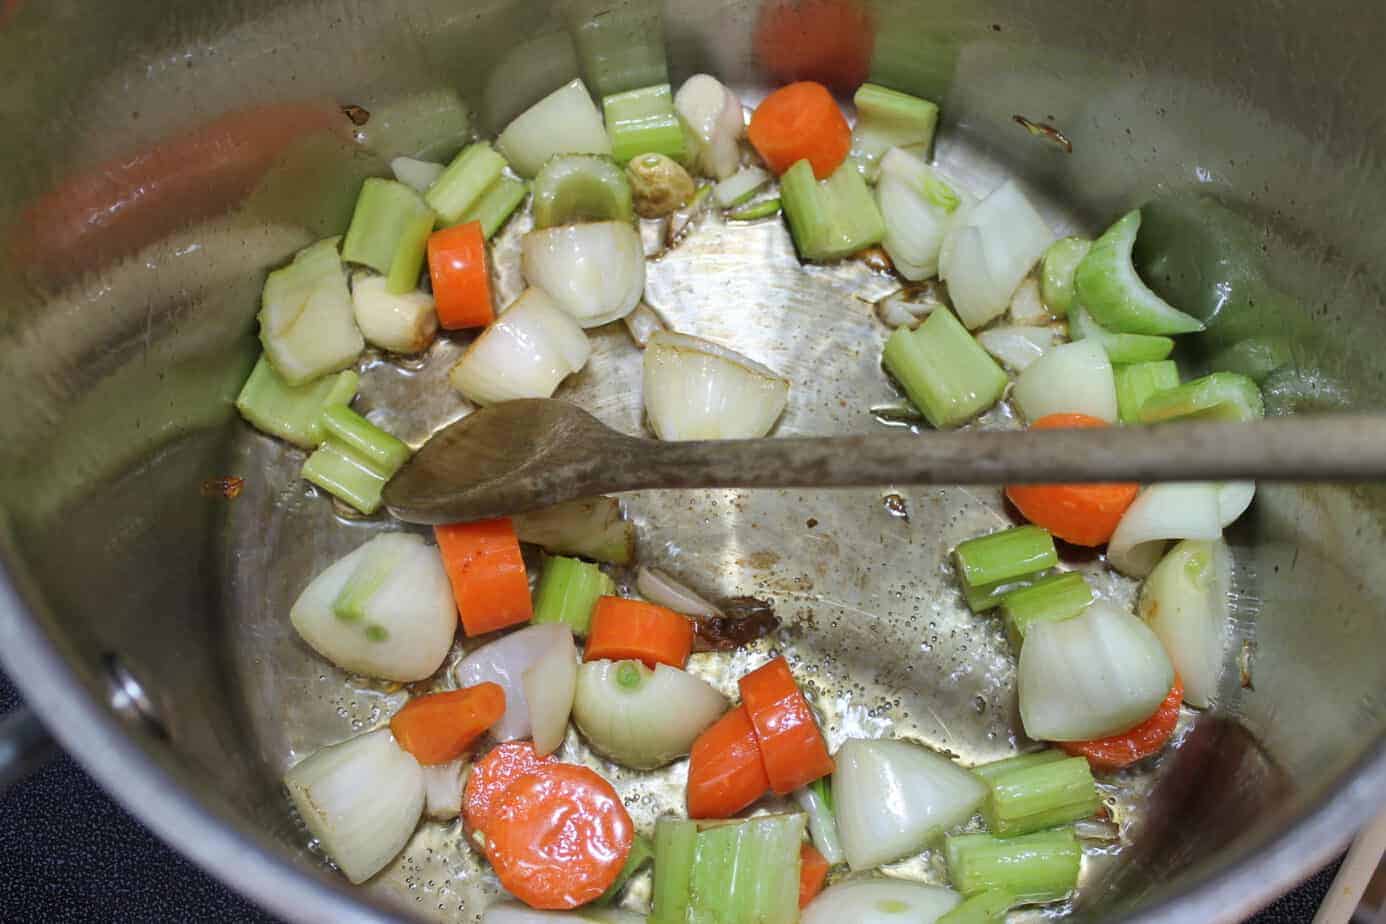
(625, 630)
(801, 122)
(438, 727)
(726, 772)
(825, 40)
(790, 742)
(491, 776)
(813, 872)
(1083, 514)
(461, 281)
(1123, 750)
(487, 574)
(559, 837)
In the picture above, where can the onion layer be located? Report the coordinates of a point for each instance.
(1160, 512)
(1234, 497)
(643, 718)
(1185, 602)
(399, 323)
(505, 661)
(712, 114)
(657, 587)
(880, 901)
(564, 122)
(525, 353)
(698, 390)
(595, 272)
(549, 687)
(988, 250)
(915, 223)
(443, 790)
(1017, 347)
(1074, 378)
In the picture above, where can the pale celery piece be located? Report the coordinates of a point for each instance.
(1107, 285)
(1220, 396)
(1137, 382)
(987, 907)
(356, 459)
(465, 181)
(641, 852)
(1041, 796)
(496, 205)
(1121, 348)
(568, 591)
(1005, 555)
(676, 847)
(389, 230)
(756, 210)
(996, 768)
(1060, 266)
(738, 188)
(1039, 867)
(943, 369)
(577, 187)
(989, 596)
(643, 121)
(307, 325)
(890, 119)
(737, 872)
(364, 438)
(1050, 599)
(831, 218)
(292, 413)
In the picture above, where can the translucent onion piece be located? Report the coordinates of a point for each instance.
(525, 353)
(642, 718)
(416, 174)
(822, 824)
(657, 587)
(399, 323)
(505, 661)
(1185, 602)
(406, 624)
(361, 799)
(915, 225)
(1017, 347)
(989, 249)
(697, 390)
(549, 687)
(1163, 511)
(512, 913)
(712, 114)
(880, 901)
(595, 272)
(564, 122)
(892, 797)
(1075, 378)
(1098, 674)
(740, 186)
(1027, 308)
(1234, 497)
(443, 790)
(643, 323)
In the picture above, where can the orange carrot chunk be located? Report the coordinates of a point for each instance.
(625, 630)
(790, 742)
(491, 776)
(726, 772)
(1147, 738)
(461, 281)
(438, 727)
(1083, 514)
(813, 872)
(487, 574)
(801, 122)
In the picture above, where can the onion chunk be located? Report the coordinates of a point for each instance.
(699, 390)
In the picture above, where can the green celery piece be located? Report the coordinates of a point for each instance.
(1005, 555)
(1038, 867)
(1219, 396)
(643, 121)
(675, 848)
(339, 471)
(370, 575)
(641, 852)
(385, 231)
(496, 205)
(1137, 382)
(989, 596)
(996, 768)
(1060, 265)
(618, 49)
(944, 370)
(747, 871)
(364, 438)
(409, 256)
(307, 325)
(1041, 796)
(890, 119)
(1050, 599)
(292, 413)
(756, 210)
(823, 786)
(987, 907)
(1108, 286)
(581, 187)
(833, 218)
(1121, 348)
(464, 182)
(568, 591)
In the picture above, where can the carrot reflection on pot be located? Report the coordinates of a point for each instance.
(829, 41)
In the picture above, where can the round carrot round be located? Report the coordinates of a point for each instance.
(726, 772)
(495, 773)
(461, 281)
(487, 572)
(793, 748)
(1123, 750)
(1083, 514)
(559, 837)
(633, 630)
(438, 727)
(797, 122)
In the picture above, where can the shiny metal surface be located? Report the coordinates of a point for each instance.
(160, 158)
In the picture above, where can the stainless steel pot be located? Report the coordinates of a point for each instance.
(159, 157)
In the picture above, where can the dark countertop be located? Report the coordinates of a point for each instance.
(72, 855)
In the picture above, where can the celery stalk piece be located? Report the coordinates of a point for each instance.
(1050, 599)
(356, 460)
(1060, 265)
(747, 872)
(418, 175)
(832, 218)
(1137, 382)
(618, 49)
(987, 907)
(577, 188)
(564, 122)
(388, 231)
(1220, 396)
(643, 121)
(675, 848)
(370, 575)
(409, 255)
(641, 852)
(1037, 867)
(591, 527)
(496, 205)
(1005, 555)
(292, 413)
(1041, 796)
(364, 438)
(569, 590)
(996, 768)
(890, 119)
(756, 210)
(464, 182)
(989, 596)
(1121, 348)
(307, 325)
(1107, 285)
(943, 369)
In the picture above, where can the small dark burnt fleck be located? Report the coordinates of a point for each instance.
(228, 487)
(357, 114)
(812, 522)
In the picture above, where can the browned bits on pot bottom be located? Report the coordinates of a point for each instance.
(745, 619)
(228, 487)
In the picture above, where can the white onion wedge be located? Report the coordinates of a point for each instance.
(564, 122)
(989, 249)
(1098, 674)
(915, 223)
(643, 718)
(416, 174)
(698, 390)
(1185, 602)
(505, 661)
(1027, 308)
(404, 617)
(403, 323)
(1186, 510)
(595, 272)
(892, 797)
(643, 323)
(1017, 348)
(306, 324)
(712, 114)
(549, 687)
(361, 799)
(1073, 378)
(880, 901)
(657, 587)
(1234, 497)
(443, 790)
(525, 353)
(514, 913)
